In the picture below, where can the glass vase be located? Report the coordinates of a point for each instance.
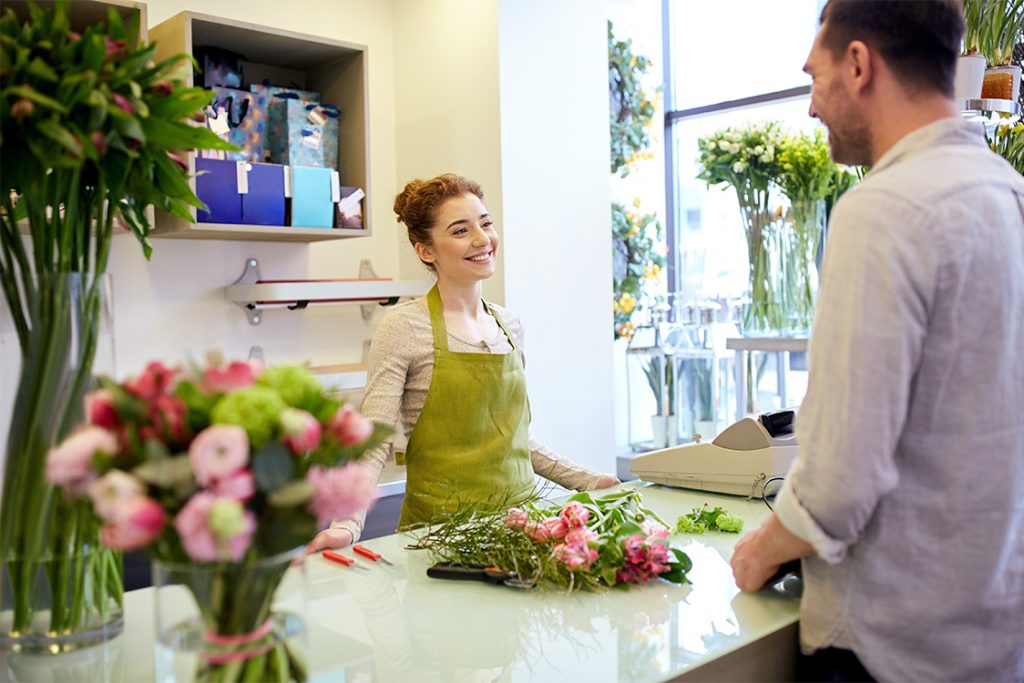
(803, 236)
(231, 622)
(763, 314)
(60, 589)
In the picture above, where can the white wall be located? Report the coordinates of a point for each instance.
(447, 111)
(558, 276)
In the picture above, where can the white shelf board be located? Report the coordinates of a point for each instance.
(324, 291)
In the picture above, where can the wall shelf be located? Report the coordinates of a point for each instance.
(255, 295)
(338, 70)
(342, 376)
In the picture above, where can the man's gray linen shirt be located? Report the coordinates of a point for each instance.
(910, 478)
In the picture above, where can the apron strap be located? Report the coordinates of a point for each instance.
(437, 319)
(501, 324)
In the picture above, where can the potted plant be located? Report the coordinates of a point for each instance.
(970, 68)
(92, 132)
(1002, 26)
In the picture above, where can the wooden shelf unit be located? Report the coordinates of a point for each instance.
(338, 70)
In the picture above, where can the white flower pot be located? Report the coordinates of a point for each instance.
(664, 432)
(1014, 74)
(970, 73)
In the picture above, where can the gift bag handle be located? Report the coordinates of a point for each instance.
(236, 114)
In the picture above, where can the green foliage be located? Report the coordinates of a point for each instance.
(703, 519)
(994, 27)
(637, 262)
(745, 158)
(632, 107)
(1007, 140)
(808, 172)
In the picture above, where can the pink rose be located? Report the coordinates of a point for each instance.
(213, 528)
(575, 515)
(238, 486)
(341, 491)
(516, 518)
(349, 427)
(580, 536)
(217, 452)
(237, 375)
(99, 410)
(133, 523)
(111, 490)
(154, 381)
(556, 527)
(302, 430)
(69, 465)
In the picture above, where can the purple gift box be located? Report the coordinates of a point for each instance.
(240, 192)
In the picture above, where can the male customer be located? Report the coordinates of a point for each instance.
(907, 499)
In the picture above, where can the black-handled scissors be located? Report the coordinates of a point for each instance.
(494, 575)
(787, 580)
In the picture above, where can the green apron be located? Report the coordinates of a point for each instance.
(470, 442)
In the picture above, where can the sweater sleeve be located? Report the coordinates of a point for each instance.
(387, 370)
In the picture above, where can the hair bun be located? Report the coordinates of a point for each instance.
(407, 195)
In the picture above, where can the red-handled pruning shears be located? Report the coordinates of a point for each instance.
(369, 554)
(341, 559)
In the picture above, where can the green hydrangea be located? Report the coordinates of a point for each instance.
(730, 523)
(295, 384)
(256, 409)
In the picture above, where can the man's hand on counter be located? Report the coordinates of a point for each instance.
(759, 553)
(329, 539)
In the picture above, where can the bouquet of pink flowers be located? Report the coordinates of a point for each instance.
(585, 543)
(227, 466)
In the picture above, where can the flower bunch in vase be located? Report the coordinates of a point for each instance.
(223, 473)
(746, 159)
(807, 178)
(586, 543)
(93, 134)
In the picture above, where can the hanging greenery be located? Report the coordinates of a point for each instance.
(638, 260)
(632, 107)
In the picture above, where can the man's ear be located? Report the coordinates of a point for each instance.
(860, 65)
(424, 252)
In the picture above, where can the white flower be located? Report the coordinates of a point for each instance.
(734, 147)
(759, 150)
(739, 167)
(723, 145)
(767, 157)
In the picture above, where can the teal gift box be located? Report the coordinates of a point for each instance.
(314, 192)
(309, 136)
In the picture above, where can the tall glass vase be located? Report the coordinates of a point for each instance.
(229, 621)
(764, 313)
(60, 589)
(803, 236)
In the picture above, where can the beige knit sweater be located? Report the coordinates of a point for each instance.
(401, 364)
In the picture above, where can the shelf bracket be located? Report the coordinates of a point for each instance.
(366, 271)
(250, 276)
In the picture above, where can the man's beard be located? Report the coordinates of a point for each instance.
(851, 147)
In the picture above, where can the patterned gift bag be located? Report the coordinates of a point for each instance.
(239, 117)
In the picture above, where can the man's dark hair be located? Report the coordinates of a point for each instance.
(918, 39)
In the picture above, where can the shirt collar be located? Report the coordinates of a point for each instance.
(947, 130)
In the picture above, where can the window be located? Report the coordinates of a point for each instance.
(708, 87)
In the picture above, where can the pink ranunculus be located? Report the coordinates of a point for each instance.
(556, 527)
(580, 536)
(238, 486)
(69, 465)
(133, 523)
(111, 490)
(302, 430)
(575, 514)
(198, 536)
(237, 375)
(217, 452)
(99, 410)
(349, 427)
(537, 532)
(516, 518)
(341, 491)
(154, 381)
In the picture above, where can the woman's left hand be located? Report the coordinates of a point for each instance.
(606, 481)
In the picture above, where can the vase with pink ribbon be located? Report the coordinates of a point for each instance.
(231, 622)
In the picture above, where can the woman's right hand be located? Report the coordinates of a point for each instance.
(329, 539)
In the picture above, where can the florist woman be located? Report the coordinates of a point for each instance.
(450, 366)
